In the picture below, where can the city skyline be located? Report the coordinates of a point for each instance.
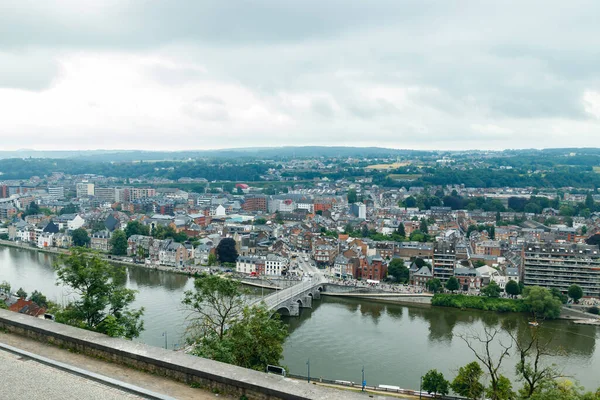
(206, 75)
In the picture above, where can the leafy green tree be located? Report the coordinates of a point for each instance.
(558, 294)
(398, 270)
(226, 251)
(410, 202)
(467, 382)
(423, 226)
(212, 259)
(401, 231)
(3, 305)
(502, 391)
(541, 303)
(80, 237)
(512, 288)
(491, 290)
(253, 341)
(39, 299)
(434, 382)
(136, 228)
(4, 236)
(118, 243)
(215, 303)
(352, 196)
(260, 221)
(452, 284)
(21, 293)
(584, 230)
(103, 303)
(575, 292)
(434, 285)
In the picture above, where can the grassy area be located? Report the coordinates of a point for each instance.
(388, 166)
(597, 170)
(404, 177)
(478, 303)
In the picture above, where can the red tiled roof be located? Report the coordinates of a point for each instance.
(28, 307)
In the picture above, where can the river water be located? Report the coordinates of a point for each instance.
(395, 344)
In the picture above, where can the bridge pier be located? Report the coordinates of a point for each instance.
(306, 301)
(294, 308)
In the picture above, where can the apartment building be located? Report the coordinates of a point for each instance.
(85, 189)
(444, 259)
(560, 265)
(105, 194)
(255, 203)
(56, 192)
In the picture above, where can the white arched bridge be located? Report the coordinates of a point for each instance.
(289, 301)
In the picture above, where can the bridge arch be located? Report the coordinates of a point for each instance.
(300, 303)
(283, 311)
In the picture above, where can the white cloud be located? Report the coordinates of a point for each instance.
(180, 75)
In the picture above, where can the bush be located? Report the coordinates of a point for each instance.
(478, 303)
(594, 310)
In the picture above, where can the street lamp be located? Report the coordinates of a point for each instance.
(420, 387)
(165, 334)
(363, 378)
(308, 372)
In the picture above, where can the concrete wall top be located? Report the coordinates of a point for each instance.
(274, 385)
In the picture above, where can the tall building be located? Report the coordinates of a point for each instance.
(444, 259)
(56, 192)
(255, 203)
(560, 265)
(85, 189)
(359, 210)
(105, 194)
(3, 191)
(139, 193)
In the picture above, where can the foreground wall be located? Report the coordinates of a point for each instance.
(208, 374)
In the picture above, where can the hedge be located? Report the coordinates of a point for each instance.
(479, 303)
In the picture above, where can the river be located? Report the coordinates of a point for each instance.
(395, 344)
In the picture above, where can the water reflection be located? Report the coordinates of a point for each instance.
(146, 277)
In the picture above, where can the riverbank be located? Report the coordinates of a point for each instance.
(422, 299)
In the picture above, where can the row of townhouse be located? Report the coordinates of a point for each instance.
(155, 251)
(270, 265)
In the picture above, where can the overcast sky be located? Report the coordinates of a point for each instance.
(198, 74)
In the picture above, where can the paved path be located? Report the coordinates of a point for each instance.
(29, 371)
(24, 379)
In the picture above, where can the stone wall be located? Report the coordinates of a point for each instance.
(208, 374)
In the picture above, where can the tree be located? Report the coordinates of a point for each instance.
(226, 251)
(136, 228)
(575, 292)
(39, 299)
(502, 391)
(260, 221)
(257, 338)
(21, 293)
(401, 231)
(584, 230)
(482, 346)
(531, 349)
(103, 303)
(434, 382)
(452, 284)
(467, 382)
(512, 288)
(215, 303)
(118, 243)
(423, 226)
(398, 270)
(541, 303)
(5, 287)
(212, 259)
(410, 202)
(491, 290)
(559, 295)
(80, 237)
(434, 285)
(352, 196)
